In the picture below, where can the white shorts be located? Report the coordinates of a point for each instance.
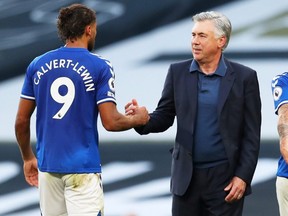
(71, 194)
(282, 195)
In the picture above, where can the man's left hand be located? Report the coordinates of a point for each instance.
(236, 189)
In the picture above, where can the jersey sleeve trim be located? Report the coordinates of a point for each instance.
(106, 100)
(27, 97)
(280, 104)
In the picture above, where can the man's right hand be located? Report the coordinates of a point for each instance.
(31, 171)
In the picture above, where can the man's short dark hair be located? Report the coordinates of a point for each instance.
(72, 21)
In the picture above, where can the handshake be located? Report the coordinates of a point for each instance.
(138, 114)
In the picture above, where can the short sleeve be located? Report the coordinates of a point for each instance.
(106, 84)
(280, 90)
(27, 88)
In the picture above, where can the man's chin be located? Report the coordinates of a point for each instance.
(197, 57)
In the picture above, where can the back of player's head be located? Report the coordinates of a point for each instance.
(72, 21)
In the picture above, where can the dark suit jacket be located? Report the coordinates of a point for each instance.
(239, 111)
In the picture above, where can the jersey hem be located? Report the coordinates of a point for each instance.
(70, 171)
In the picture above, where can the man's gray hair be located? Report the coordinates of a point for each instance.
(221, 22)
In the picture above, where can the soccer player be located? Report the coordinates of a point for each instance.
(69, 86)
(280, 96)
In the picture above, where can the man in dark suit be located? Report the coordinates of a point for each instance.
(218, 110)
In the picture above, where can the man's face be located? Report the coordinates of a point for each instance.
(204, 43)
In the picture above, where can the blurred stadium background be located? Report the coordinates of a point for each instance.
(141, 38)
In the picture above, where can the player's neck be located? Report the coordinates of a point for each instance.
(77, 43)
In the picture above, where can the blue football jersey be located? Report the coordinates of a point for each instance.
(67, 84)
(280, 90)
(280, 96)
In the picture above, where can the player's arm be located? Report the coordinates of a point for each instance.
(22, 127)
(283, 130)
(112, 120)
(22, 132)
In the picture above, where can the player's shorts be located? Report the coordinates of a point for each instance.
(282, 195)
(71, 194)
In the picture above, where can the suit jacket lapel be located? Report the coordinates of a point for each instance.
(225, 86)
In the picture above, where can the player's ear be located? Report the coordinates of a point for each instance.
(88, 30)
(91, 30)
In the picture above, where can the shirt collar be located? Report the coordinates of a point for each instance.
(220, 71)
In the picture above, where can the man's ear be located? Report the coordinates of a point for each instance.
(221, 41)
(88, 30)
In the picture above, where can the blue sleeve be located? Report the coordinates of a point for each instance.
(280, 90)
(105, 84)
(27, 89)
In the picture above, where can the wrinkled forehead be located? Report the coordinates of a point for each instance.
(205, 27)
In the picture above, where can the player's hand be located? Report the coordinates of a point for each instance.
(139, 114)
(236, 189)
(131, 107)
(31, 172)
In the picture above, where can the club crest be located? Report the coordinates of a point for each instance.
(277, 93)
